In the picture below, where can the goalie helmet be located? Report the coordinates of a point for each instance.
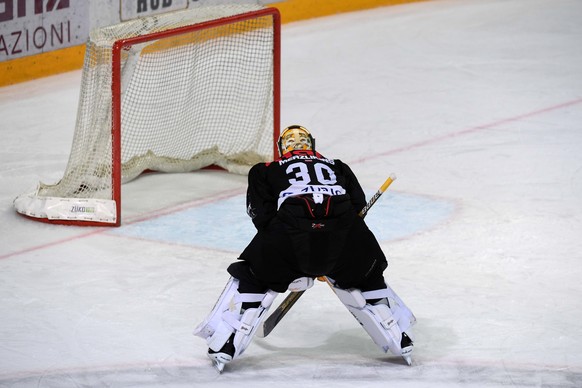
(295, 137)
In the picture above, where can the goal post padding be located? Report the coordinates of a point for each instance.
(173, 93)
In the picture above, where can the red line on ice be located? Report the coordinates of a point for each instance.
(413, 146)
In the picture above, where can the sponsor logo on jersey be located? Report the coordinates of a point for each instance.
(312, 189)
(296, 190)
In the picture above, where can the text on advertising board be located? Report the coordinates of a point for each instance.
(34, 26)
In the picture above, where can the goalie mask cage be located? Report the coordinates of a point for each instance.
(172, 93)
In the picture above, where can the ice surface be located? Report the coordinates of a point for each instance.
(476, 105)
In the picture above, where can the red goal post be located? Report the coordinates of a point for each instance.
(170, 93)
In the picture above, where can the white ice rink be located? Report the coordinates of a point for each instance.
(476, 105)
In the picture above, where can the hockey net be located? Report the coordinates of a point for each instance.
(172, 93)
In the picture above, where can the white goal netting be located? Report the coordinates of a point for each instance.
(189, 98)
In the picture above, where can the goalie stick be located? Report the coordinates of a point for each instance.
(272, 320)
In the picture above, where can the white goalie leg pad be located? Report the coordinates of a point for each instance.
(250, 322)
(404, 317)
(226, 318)
(400, 311)
(380, 321)
(208, 327)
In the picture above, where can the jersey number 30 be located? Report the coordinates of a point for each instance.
(302, 175)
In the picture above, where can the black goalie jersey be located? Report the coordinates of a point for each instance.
(303, 178)
(305, 208)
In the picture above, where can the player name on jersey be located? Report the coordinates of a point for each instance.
(306, 157)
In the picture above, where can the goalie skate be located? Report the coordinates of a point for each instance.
(218, 365)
